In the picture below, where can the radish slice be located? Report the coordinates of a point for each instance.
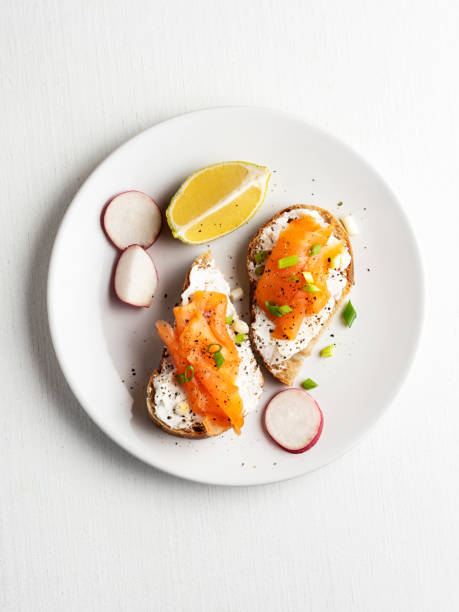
(132, 217)
(294, 420)
(135, 278)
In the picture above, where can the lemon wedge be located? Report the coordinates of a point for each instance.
(216, 200)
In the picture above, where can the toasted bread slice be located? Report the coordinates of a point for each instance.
(164, 394)
(284, 358)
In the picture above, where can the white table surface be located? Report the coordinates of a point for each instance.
(83, 526)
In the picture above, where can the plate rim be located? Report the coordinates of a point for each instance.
(119, 439)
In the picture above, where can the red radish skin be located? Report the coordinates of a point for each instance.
(132, 217)
(298, 410)
(135, 279)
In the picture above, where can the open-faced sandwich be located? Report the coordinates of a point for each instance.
(208, 377)
(300, 265)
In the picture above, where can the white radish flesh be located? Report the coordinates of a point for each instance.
(294, 420)
(135, 278)
(132, 217)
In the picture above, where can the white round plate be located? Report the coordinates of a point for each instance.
(107, 350)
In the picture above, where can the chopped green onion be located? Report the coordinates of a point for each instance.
(211, 347)
(308, 277)
(328, 351)
(189, 376)
(240, 338)
(308, 384)
(229, 320)
(336, 262)
(277, 311)
(259, 270)
(219, 359)
(349, 314)
(286, 262)
(273, 309)
(315, 249)
(310, 288)
(261, 256)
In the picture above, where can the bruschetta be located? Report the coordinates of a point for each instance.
(300, 265)
(208, 378)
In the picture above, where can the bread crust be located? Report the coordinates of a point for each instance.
(197, 431)
(289, 369)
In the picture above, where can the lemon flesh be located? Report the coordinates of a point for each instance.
(216, 200)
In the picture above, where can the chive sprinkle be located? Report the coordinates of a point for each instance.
(273, 309)
(219, 359)
(189, 373)
(229, 320)
(309, 384)
(277, 311)
(315, 249)
(187, 376)
(328, 351)
(261, 256)
(240, 338)
(259, 270)
(286, 262)
(310, 288)
(349, 314)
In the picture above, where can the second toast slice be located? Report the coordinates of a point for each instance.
(284, 358)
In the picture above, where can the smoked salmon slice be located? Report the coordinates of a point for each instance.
(295, 275)
(202, 404)
(200, 332)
